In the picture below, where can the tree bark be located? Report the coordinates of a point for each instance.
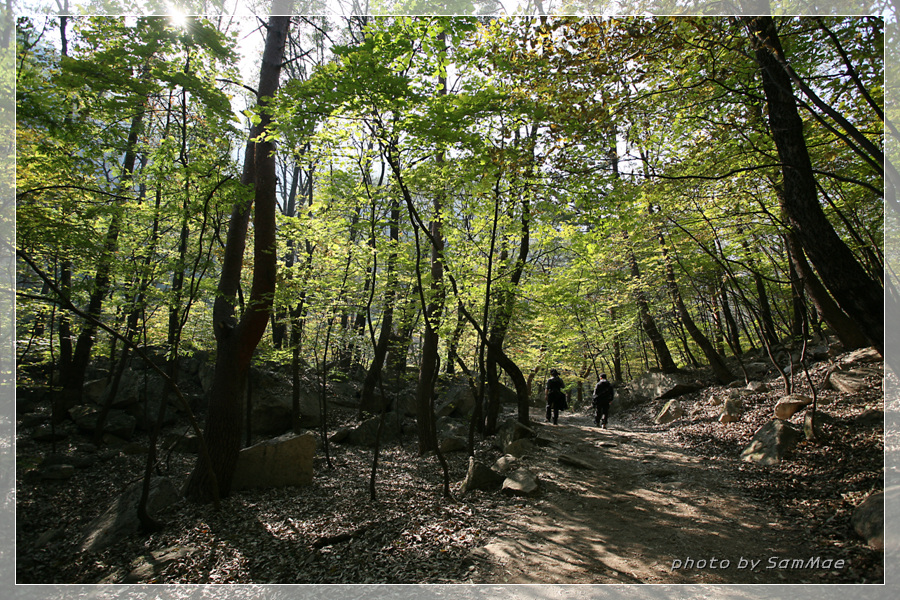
(858, 295)
(236, 341)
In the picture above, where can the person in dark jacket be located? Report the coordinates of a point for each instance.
(603, 395)
(555, 396)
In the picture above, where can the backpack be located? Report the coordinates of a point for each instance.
(603, 392)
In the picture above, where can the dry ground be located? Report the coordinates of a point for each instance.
(646, 497)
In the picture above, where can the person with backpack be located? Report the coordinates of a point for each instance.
(603, 395)
(555, 396)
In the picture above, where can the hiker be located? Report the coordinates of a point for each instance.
(603, 395)
(555, 396)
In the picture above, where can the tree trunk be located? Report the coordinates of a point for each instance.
(236, 341)
(858, 295)
(844, 328)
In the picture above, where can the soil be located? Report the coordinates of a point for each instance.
(635, 503)
(640, 510)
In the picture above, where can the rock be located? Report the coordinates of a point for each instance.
(771, 443)
(569, 459)
(272, 404)
(456, 399)
(283, 461)
(519, 448)
(505, 463)
(93, 390)
(118, 423)
(847, 382)
(447, 426)
(758, 367)
(366, 432)
(655, 385)
(715, 400)
(739, 393)
(45, 434)
(511, 430)
(120, 519)
(57, 472)
(454, 443)
(789, 405)
(520, 482)
(480, 477)
(145, 568)
(188, 443)
(868, 520)
(863, 355)
(757, 387)
(731, 410)
(671, 411)
(340, 435)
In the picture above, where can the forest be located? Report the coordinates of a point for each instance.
(358, 246)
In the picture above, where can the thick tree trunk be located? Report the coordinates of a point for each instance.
(858, 295)
(843, 327)
(236, 341)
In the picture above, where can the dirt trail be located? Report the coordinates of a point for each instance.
(636, 506)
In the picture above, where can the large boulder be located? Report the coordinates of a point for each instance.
(771, 443)
(283, 461)
(511, 430)
(366, 432)
(520, 482)
(656, 385)
(455, 398)
(868, 520)
(671, 411)
(272, 404)
(117, 422)
(480, 477)
(120, 519)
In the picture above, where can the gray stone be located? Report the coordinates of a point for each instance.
(771, 443)
(520, 482)
(863, 355)
(455, 398)
(454, 443)
(739, 393)
(480, 477)
(511, 430)
(366, 432)
(656, 385)
(120, 519)
(847, 382)
(715, 400)
(790, 405)
(671, 411)
(757, 387)
(117, 423)
(272, 404)
(283, 461)
(868, 520)
(519, 448)
(505, 463)
(45, 434)
(731, 410)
